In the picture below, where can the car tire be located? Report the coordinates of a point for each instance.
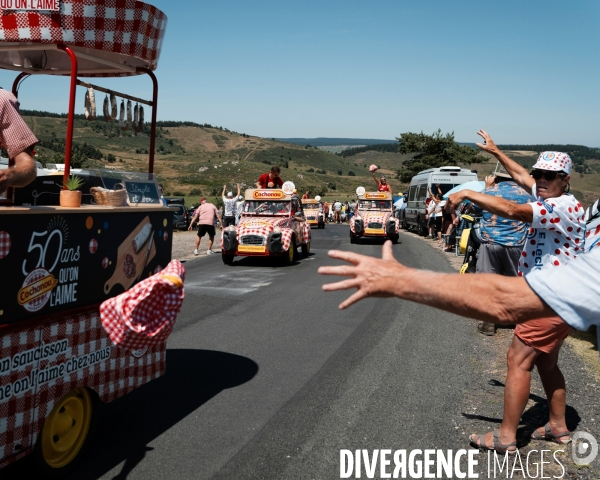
(305, 249)
(289, 257)
(395, 238)
(58, 451)
(422, 228)
(227, 258)
(352, 238)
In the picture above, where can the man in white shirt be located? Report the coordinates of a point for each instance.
(337, 212)
(229, 206)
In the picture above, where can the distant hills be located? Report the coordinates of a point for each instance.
(330, 142)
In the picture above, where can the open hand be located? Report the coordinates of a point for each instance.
(372, 277)
(457, 198)
(489, 145)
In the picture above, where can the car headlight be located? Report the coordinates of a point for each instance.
(276, 229)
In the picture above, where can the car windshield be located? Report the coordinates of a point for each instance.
(260, 207)
(311, 206)
(374, 204)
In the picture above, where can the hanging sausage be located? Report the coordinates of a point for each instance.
(138, 118)
(89, 108)
(122, 123)
(129, 116)
(112, 114)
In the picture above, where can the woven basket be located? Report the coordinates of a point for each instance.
(113, 198)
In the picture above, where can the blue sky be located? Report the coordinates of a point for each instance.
(526, 71)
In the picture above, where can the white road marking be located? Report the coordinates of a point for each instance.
(233, 283)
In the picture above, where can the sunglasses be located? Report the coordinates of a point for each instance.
(547, 174)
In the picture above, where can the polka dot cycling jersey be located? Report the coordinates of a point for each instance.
(556, 234)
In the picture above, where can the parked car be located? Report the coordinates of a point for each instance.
(181, 218)
(415, 213)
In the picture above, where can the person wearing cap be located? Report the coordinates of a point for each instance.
(239, 208)
(229, 207)
(271, 179)
(569, 291)
(206, 214)
(556, 236)
(502, 238)
(18, 140)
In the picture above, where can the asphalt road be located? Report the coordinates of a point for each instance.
(266, 378)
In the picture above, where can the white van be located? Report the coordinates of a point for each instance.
(415, 214)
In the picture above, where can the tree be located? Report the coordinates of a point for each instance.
(433, 151)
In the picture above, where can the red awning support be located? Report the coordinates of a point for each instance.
(70, 113)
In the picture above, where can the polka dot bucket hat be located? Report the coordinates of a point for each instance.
(556, 161)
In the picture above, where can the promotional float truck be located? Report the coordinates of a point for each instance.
(272, 224)
(59, 264)
(374, 216)
(313, 210)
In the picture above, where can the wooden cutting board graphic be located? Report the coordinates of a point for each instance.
(138, 259)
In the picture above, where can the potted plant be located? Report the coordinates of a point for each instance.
(70, 196)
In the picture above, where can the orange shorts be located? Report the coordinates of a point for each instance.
(543, 334)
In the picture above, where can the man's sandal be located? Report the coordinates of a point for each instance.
(551, 436)
(478, 441)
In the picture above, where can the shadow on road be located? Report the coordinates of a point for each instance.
(534, 417)
(127, 425)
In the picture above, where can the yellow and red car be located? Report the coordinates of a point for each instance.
(272, 224)
(313, 210)
(374, 217)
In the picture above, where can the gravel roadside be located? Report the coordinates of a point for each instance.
(482, 406)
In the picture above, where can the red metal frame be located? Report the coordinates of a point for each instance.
(71, 112)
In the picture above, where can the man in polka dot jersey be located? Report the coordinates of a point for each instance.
(556, 235)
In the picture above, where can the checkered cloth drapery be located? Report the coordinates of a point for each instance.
(125, 27)
(145, 314)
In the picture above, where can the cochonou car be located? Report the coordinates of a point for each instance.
(272, 223)
(374, 216)
(313, 210)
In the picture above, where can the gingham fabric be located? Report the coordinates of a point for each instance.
(378, 217)
(145, 314)
(125, 27)
(264, 225)
(5, 244)
(88, 359)
(15, 135)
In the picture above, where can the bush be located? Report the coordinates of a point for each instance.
(331, 186)
(177, 193)
(195, 191)
(340, 172)
(351, 174)
(310, 170)
(322, 172)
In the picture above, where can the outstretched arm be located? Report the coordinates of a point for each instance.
(223, 192)
(238, 186)
(519, 174)
(488, 297)
(375, 178)
(496, 205)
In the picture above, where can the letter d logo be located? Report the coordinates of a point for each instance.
(584, 444)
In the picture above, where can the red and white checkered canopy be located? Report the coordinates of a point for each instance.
(109, 37)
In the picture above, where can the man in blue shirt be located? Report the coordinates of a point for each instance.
(502, 238)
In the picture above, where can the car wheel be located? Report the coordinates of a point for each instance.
(65, 435)
(352, 238)
(305, 249)
(227, 258)
(422, 228)
(289, 257)
(395, 238)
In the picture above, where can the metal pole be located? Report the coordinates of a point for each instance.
(15, 88)
(71, 113)
(153, 124)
